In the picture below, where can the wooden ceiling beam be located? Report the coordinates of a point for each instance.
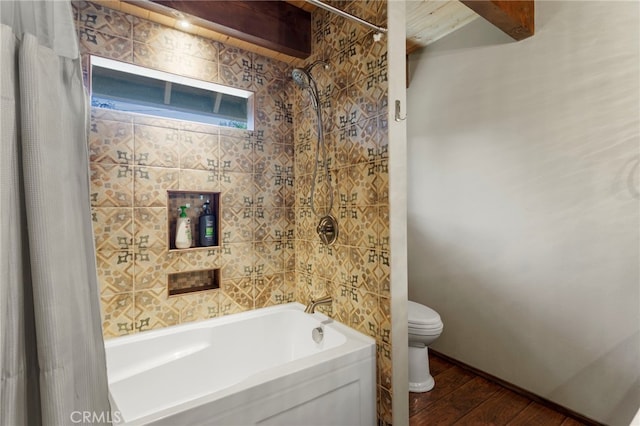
(514, 17)
(275, 25)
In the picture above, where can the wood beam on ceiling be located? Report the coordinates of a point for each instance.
(275, 25)
(514, 17)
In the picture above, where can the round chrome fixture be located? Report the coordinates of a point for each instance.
(328, 230)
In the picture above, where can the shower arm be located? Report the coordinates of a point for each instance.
(347, 15)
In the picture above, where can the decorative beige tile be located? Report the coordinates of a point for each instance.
(365, 144)
(304, 287)
(200, 306)
(289, 253)
(101, 114)
(237, 68)
(384, 320)
(274, 158)
(103, 19)
(271, 113)
(360, 225)
(357, 185)
(369, 62)
(370, 100)
(117, 314)
(111, 142)
(288, 193)
(154, 121)
(199, 180)
(323, 259)
(150, 228)
(154, 309)
(151, 267)
(115, 272)
(198, 150)
(237, 225)
(156, 146)
(163, 38)
(111, 185)
(381, 170)
(175, 62)
(344, 301)
(202, 259)
(237, 259)
(105, 45)
(341, 265)
(273, 290)
(383, 272)
(113, 228)
(156, 35)
(206, 129)
(236, 293)
(385, 417)
(268, 257)
(365, 268)
(236, 153)
(383, 363)
(228, 305)
(237, 189)
(270, 189)
(303, 253)
(305, 143)
(306, 224)
(151, 185)
(302, 190)
(383, 227)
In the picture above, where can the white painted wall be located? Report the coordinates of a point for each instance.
(524, 189)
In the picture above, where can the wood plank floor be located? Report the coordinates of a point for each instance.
(462, 398)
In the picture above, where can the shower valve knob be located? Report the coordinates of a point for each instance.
(327, 230)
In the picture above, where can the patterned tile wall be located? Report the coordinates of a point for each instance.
(270, 252)
(135, 159)
(353, 95)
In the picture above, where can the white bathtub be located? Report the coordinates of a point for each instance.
(257, 367)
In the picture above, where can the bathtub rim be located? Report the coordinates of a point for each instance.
(226, 319)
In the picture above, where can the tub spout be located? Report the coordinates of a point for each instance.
(311, 307)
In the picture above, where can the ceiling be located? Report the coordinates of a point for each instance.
(430, 20)
(427, 21)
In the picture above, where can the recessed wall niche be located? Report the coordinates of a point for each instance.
(192, 281)
(194, 200)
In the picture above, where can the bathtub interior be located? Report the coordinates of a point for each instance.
(157, 370)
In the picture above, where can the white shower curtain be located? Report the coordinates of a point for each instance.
(52, 361)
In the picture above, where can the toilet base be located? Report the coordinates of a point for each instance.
(420, 379)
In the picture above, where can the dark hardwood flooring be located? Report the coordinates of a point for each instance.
(461, 397)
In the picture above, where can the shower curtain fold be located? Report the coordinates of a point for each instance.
(52, 361)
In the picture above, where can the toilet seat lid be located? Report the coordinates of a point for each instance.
(421, 316)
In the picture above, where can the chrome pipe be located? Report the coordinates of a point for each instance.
(311, 307)
(347, 15)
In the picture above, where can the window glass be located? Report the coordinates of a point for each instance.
(125, 87)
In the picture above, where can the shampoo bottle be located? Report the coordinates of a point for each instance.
(206, 226)
(183, 230)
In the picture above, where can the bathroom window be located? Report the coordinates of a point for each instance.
(131, 88)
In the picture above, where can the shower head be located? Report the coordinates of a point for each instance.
(301, 77)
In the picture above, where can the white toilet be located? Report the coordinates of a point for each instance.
(425, 326)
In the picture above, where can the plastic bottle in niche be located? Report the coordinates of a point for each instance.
(207, 226)
(183, 229)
